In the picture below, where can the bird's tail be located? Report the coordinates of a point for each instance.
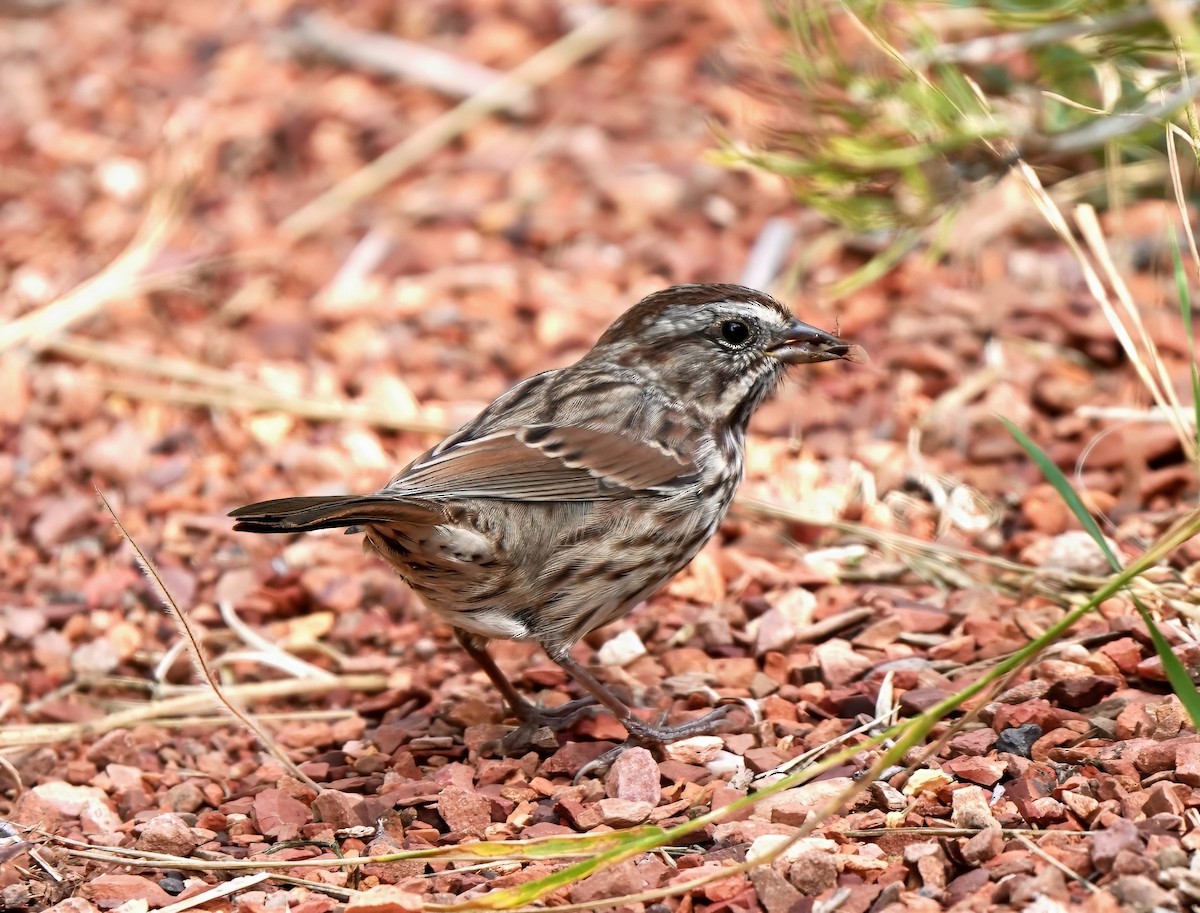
(298, 515)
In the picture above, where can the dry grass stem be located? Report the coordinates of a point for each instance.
(120, 277)
(225, 889)
(583, 41)
(316, 33)
(51, 733)
(200, 660)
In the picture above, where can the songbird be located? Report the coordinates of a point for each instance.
(582, 490)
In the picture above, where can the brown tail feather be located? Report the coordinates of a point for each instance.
(298, 515)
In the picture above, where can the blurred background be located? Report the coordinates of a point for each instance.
(252, 249)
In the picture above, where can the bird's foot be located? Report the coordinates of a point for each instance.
(645, 735)
(538, 725)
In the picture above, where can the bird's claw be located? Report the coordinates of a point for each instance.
(644, 735)
(538, 725)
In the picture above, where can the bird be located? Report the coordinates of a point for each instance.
(582, 490)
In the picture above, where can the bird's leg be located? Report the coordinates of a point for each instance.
(640, 734)
(530, 716)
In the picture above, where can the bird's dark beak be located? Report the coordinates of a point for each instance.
(801, 344)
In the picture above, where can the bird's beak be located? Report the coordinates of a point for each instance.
(801, 344)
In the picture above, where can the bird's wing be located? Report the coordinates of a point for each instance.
(546, 463)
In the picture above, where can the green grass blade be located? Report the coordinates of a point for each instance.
(1181, 682)
(1059, 483)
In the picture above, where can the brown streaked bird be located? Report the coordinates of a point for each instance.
(582, 490)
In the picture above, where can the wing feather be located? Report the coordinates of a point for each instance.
(546, 463)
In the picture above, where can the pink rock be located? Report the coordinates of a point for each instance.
(112, 890)
(338, 809)
(167, 833)
(464, 811)
(792, 806)
(623, 812)
(634, 776)
(278, 815)
(840, 663)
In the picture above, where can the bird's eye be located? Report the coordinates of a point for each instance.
(735, 332)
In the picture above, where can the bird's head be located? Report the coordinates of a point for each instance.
(722, 349)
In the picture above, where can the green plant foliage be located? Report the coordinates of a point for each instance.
(886, 112)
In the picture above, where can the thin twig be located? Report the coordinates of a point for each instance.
(270, 653)
(542, 67)
(200, 660)
(1117, 124)
(1056, 863)
(768, 253)
(52, 733)
(218, 388)
(163, 216)
(989, 47)
(250, 399)
(396, 57)
(241, 883)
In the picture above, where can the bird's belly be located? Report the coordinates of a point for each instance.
(550, 572)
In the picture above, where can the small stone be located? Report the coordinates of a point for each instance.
(975, 743)
(66, 799)
(930, 863)
(1082, 691)
(1047, 883)
(793, 806)
(840, 663)
(338, 809)
(622, 649)
(98, 817)
(971, 809)
(918, 618)
(925, 780)
(1110, 841)
(770, 839)
(985, 845)
(385, 898)
(1187, 763)
(1167, 798)
(699, 749)
(623, 812)
(278, 815)
(185, 797)
(761, 760)
(983, 771)
(1074, 551)
(72, 905)
(1044, 748)
(1019, 739)
(571, 757)
(167, 833)
(1084, 807)
(634, 776)
(1152, 757)
(464, 811)
(726, 765)
(1125, 653)
(960, 890)
(774, 632)
(918, 700)
(613, 881)
(112, 890)
(1140, 894)
(814, 872)
(583, 817)
(880, 634)
(114, 747)
(774, 892)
